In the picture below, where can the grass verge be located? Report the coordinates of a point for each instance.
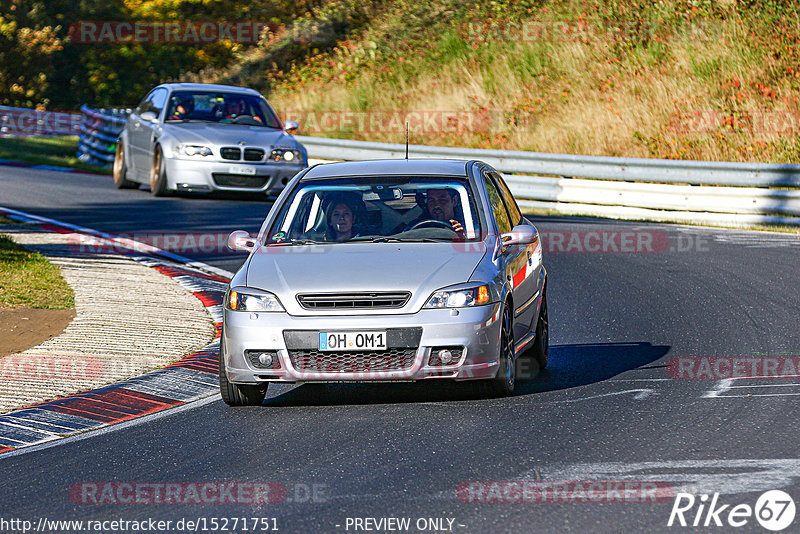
(56, 151)
(28, 279)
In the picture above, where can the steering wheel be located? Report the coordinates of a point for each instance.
(433, 222)
(245, 119)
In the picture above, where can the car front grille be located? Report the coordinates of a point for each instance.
(239, 180)
(253, 154)
(353, 301)
(397, 359)
(231, 153)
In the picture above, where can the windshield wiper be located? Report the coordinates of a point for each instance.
(388, 239)
(297, 242)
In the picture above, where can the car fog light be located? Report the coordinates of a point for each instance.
(265, 359)
(445, 356)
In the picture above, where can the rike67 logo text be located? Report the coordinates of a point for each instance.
(774, 510)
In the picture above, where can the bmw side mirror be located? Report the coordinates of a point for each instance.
(241, 241)
(291, 127)
(149, 116)
(521, 234)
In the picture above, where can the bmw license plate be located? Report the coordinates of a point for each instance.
(352, 341)
(242, 169)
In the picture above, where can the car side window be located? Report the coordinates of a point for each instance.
(157, 101)
(497, 205)
(142, 107)
(513, 209)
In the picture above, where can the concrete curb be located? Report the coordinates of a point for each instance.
(191, 378)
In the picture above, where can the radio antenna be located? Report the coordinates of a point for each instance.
(406, 140)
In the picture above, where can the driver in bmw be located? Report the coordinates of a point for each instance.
(441, 205)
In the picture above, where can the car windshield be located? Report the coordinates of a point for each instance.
(221, 108)
(378, 209)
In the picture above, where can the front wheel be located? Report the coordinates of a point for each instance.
(158, 175)
(238, 394)
(503, 384)
(121, 169)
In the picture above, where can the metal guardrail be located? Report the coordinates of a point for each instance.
(704, 192)
(100, 129)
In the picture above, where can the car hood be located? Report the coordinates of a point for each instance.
(209, 134)
(420, 268)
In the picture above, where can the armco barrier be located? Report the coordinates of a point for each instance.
(704, 192)
(99, 132)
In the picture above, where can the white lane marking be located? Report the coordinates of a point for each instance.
(721, 387)
(690, 476)
(190, 405)
(124, 242)
(765, 386)
(640, 395)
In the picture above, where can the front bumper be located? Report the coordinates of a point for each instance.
(477, 330)
(206, 176)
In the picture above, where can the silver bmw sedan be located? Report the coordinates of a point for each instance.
(204, 138)
(387, 270)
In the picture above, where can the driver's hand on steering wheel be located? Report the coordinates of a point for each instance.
(458, 229)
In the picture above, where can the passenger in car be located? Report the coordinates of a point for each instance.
(343, 212)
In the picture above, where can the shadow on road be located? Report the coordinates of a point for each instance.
(569, 366)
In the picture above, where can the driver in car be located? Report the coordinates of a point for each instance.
(441, 205)
(234, 109)
(184, 107)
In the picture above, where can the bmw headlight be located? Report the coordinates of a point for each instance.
(459, 298)
(192, 150)
(252, 301)
(285, 155)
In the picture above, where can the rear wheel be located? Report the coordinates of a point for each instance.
(541, 347)
(158, 175)
(121, 170)
(237, 394)
(503, 384)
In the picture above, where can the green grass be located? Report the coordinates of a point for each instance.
(57, 151)
(28, 279)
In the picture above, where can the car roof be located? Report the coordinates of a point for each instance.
(209, 87)
(388, 167)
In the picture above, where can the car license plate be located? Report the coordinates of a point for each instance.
(242, 169)
(352, 341)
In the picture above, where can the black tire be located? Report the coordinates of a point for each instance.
(121, 170)
(541, 345)
(237, 394)
(158, 175)
(503, 384)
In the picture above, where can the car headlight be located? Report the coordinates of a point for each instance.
(192, 150)
(459, 298)
(285, 155)
(238, 300)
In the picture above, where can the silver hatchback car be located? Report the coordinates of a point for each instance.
(190, 137)
(385, 271)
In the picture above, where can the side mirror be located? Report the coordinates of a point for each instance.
(241, 241)
(521, 234)
(291, 127)
(149, 116)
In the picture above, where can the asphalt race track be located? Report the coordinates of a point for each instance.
(611, 406)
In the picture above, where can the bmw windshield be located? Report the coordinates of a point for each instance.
(378, 209)
(221, 108)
